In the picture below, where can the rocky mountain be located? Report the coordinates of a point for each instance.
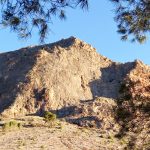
(56, 75)
(70, 79)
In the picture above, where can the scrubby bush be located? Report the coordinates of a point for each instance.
(122, 88)
(11, 125)
(49, 117)
(122, 113)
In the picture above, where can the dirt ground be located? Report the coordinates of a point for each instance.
(64, 136)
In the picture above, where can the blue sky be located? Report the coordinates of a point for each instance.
(95, 27)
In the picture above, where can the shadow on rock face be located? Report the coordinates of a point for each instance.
(98, 113)
(13, 70)
(73, 114)
(68, 111)
(111, 77)
(88, 121)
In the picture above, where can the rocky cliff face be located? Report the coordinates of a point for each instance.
(58, 75)
(71, 79)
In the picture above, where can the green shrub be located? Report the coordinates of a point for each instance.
(122, 88)
(122, 113)
(49, 117)
(11, 125)
(146, 108)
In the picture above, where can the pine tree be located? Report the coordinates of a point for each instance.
(133, 19)
(24, 15)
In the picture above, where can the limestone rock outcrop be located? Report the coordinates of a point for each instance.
(57, 75)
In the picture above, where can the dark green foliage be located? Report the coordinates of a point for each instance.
(122, 113)
(127, 96)
(146, 108)
(133, 19)
(49, 117)
(122, 88)
(24, 15)
(124, 91)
